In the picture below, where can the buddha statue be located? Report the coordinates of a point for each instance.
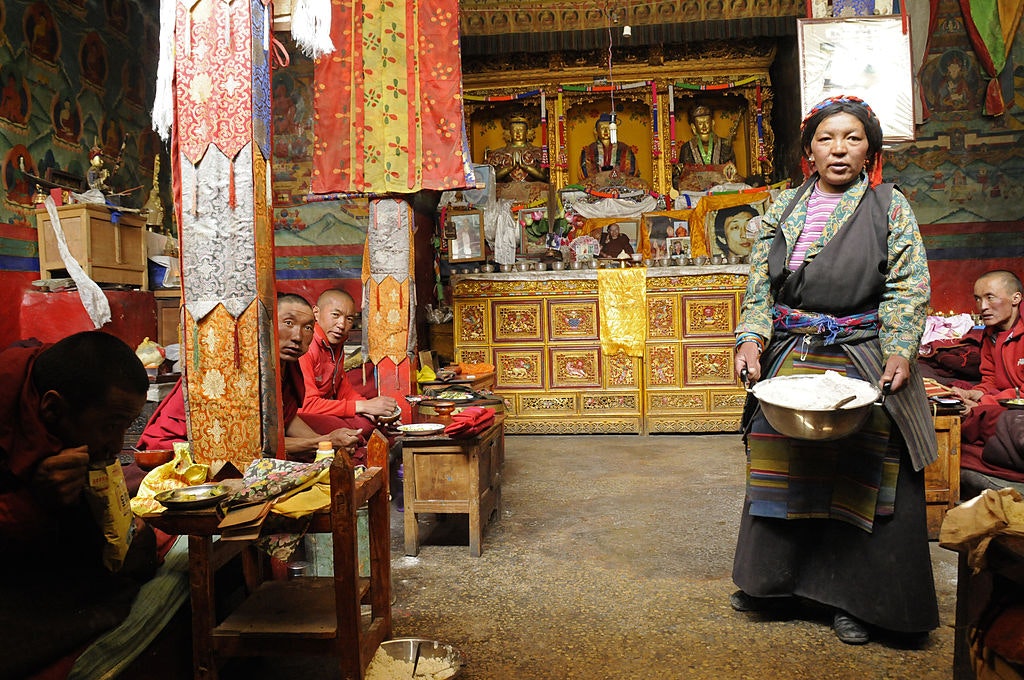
(519, 162)
(608, 163)
(707, 159)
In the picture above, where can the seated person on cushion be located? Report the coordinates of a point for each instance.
(294, 330)
(991, 433)
(330, 397)
(62, 407)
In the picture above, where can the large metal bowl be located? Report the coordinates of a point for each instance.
(813, 424)
(406, 649)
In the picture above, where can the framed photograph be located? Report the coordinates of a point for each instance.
(465, 233)
(865, 56)
(663, 225)
(534, 231)
(727, 229)
(620, 235)
(678, 247)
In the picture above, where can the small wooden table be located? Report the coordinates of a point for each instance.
(306, 616)
(462, 476)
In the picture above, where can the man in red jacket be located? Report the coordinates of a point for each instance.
(328, 391)
(295, 324)
(989, 430)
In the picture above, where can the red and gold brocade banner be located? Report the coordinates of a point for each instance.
(387, 102)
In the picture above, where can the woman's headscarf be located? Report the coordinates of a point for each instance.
(873, 164)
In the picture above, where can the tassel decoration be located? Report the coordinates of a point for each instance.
(311, 27)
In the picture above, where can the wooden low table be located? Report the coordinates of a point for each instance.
(304, 616)
(445, 475)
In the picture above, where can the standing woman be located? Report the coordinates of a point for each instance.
(839, 280)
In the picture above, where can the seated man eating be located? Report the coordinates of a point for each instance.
(295, 331)
(63, 409)
(330, 399)
(992, 435)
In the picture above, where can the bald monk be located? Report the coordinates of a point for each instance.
(295, 324)
(330, 397)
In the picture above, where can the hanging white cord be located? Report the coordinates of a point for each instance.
(612, 127)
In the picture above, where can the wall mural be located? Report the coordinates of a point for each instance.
(963, 166)
(72, 75)
(313, 240)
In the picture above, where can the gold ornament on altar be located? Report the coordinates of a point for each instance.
(154, 206)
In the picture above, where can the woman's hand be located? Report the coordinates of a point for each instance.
(748, 356)
(896, 372)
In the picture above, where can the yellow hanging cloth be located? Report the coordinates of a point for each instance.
(622, 300)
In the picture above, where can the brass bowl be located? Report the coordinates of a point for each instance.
(391, 417)
(814, 424)
(147, 460)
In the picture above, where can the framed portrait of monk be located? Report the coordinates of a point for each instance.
(465, 232)
(864, 56)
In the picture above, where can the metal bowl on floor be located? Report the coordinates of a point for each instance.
(437, 657)
(814, 424)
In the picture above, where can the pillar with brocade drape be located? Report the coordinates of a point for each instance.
(221, 152)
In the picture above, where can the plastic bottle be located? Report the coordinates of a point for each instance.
(324, 450)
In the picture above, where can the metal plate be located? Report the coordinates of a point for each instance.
(192, 497)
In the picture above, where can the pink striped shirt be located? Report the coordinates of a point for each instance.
(820, 207)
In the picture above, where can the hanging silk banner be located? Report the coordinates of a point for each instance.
(622, 301)
(387, 103)
(389, 293)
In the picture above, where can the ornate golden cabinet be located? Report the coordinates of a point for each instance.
(542, 333)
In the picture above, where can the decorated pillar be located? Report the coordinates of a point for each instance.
(221, 95)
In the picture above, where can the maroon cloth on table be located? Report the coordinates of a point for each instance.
(167, 424)
(469, 422)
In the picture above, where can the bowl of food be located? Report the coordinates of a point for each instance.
(391, 417)
(816, 407)
(431, 659)
(147, 460)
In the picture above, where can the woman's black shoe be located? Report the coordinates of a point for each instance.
(850, 630)
(742, 602)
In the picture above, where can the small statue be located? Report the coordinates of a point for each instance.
(96, 175)
(154, 206)
(518, 166)
(706, 159)
(606, 156)
(518, 160)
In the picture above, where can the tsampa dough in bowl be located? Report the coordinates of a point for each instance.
(814, 392)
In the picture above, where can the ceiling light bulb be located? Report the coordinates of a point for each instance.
(612, 130)
(627, 31)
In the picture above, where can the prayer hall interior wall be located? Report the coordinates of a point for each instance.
(72, 74)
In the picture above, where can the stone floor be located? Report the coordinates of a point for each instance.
(611, 558)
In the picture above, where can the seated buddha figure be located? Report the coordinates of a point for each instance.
(518, 166)
(707, 159)
(608, 163)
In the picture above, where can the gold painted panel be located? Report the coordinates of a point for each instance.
(662, 365)
(579, 367)
(694, 424)
(473, 355)
(470, 322)
(695, 401)
(709, 365)
(573, 426)
(511, 286)
(663, 317)
(576, 320)
(610, 402)
(547, 404)
(697, 282)
(518, 368)
(517, 321)
(709, 315)
(621, 370)
(731, 400)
